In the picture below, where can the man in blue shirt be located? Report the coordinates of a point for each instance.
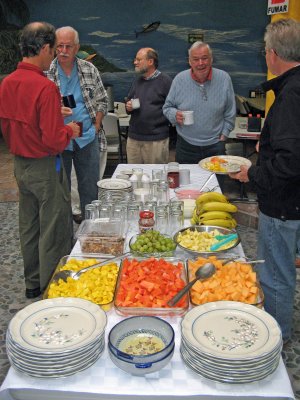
(81, 79)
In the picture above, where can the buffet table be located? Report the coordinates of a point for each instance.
(176, 381)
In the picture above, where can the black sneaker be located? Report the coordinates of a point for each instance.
(32, 293)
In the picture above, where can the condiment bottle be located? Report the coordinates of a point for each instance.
(146, 221)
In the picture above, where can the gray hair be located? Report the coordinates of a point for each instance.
(283, 36)
(70, 29)
(200, 44)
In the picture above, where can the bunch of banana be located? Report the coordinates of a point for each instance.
(213, 208)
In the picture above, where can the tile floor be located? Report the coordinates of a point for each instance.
(12, 297)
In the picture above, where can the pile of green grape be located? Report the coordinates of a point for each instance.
(152, 242)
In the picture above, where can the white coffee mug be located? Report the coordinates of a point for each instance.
(188, 117)
(135, 103)
(184, 177)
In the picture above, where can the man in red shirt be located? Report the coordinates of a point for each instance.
(33, 128)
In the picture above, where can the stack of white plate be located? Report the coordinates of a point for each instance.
(114, 189)
(54, 338)
(232, 342)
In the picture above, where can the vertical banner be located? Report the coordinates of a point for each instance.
(277, 7)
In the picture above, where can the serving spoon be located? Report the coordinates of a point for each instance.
(204, 272)
(66, 273)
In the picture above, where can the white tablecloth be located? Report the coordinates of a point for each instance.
(176, 381)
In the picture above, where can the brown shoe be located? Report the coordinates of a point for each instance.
(77, 218)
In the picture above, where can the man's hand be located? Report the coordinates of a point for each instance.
(241, 176)
(179, 117)
(128, 106)
(75, 129)
(66, 111)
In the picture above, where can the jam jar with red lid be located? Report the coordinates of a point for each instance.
(146, 221)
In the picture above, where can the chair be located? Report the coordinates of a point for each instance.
(114, 138)
(120, 109)
(242, 105)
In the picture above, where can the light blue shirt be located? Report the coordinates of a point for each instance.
(71, 85)
(213, 105)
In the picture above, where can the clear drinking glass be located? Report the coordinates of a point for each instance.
(105, 212)
(176, 220)
(162, 219)
(90, 212)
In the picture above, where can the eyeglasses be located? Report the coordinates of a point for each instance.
(203, 92)
(65, 46)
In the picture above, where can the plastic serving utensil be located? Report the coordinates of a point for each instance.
(221, 243)
(64, 274)
(204, 272)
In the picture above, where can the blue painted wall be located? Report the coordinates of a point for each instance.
(233, 28)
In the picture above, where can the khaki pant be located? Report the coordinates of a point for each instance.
(147, 152)
(44, 217)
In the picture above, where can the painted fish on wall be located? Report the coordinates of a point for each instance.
(148, 28)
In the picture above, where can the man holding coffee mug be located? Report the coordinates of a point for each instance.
(81, 79)
(148, 134)
(201, 103)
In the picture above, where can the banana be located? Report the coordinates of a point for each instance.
(211, 196)
(217, 206)
(225, 223)
(215, 215)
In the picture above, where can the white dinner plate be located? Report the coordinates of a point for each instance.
(231, 330)
(113, 184)
(57, 325)
(233, 164)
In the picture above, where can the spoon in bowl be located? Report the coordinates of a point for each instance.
(204, 272)
(66, 273)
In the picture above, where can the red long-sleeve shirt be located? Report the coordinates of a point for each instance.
(30, 113)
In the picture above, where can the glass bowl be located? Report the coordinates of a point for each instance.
(205, 229)
(105, 293)
(144, 250)
(134, 298)
(187, 192)
(233, 281)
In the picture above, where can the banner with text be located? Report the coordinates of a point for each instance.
(277, 6)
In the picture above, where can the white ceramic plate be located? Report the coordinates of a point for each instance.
(57, 325)
(113, 184)
(231, 330)
(233, 164)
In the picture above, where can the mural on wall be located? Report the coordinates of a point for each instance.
(14, 14)
(117, 29)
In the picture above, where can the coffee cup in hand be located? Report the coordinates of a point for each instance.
(135, 104)
(188, 117)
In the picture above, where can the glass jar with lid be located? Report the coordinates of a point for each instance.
(146, 221)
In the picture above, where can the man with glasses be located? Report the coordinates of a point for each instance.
(81, 79)
(148, 134)
(276, 175)
(208, 92)
(34, 130)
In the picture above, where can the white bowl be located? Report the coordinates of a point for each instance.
(144, 368)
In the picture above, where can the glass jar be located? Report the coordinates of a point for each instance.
(146, 221)
(173, 175)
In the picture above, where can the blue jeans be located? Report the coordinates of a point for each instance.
(277, 245)
(86, 164)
